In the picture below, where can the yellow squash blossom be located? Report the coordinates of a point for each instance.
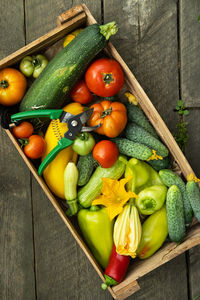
(192, 177)
(114, 196)
(127, 231)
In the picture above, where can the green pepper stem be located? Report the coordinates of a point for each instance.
(108, 29)
(4, 84)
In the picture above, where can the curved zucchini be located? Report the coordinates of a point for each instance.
(49, 90)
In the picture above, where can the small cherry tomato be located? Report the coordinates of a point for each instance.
(35, 147)
(80, 93)
(106, 153)
(12, 86)
(23, 130)
(104, 77)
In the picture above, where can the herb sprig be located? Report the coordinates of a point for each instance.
(181, 135)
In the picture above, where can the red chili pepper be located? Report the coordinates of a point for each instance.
(116, 269)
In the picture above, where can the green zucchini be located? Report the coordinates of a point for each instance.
(51, 88)
(85, 167)
(136, 115)
(193, 194)
(138, 134)
(170, 178)
(175, 214)
(92, 189)
(160, 163)
(132, 149)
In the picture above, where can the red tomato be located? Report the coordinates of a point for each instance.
(23, 130)
(106, 153)
(35, 147)
(104, 77)
(80, 93)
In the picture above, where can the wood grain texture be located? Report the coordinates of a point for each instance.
(62, 269)
(17, 280)
(189, 50)
(148, 42)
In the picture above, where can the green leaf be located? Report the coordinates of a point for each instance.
(199, 18)
(180, 102)
(186, 112)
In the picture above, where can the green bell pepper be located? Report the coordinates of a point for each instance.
(151, 199)
(154, 233)
(143, 175)
(33, 65)
(97, 230)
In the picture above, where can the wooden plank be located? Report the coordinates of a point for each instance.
(192, 153)
(17, 280)
(147, 40)
(62, 269)
(189, 50)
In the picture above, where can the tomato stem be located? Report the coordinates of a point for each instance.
(36, 62)
(107, 78)
(106, 112)
(4, 84)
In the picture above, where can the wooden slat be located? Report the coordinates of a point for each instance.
(17, 280)
(148, 42)
(189, 50)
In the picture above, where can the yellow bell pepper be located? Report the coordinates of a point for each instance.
(54, 172)
(71, 36)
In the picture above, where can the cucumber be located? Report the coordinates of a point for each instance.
(50, 89)
(170, 178)
(193, 195)
(92, 189)
(160, 163)
(136, 115)
(175, 214)
(85, 167)
(132, 149)
(138, 134)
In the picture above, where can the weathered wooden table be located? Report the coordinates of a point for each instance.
(39, 259)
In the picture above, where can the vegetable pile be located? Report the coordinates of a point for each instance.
(118, 180)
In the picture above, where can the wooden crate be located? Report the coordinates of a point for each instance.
(68, 21)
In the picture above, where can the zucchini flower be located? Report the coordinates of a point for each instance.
(127, 231)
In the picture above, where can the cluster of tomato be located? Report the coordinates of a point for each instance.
(104, 78)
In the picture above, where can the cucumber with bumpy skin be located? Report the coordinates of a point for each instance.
(193, 195)
(138, 134)
(50, 89)
(159, 164)
(170, 178)
(85, 167)
(136, 115)
(132, 149)
(175, 214)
